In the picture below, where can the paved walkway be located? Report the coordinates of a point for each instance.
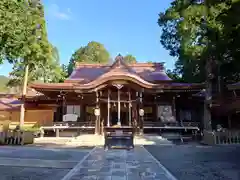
(137, 164)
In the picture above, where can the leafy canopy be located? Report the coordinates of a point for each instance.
(129, 59)
(50, 72)
(94, 52)
(199, 31)
(24, 41)
(23, 34)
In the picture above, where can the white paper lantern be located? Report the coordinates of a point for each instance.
(97, 112)
(141, 112)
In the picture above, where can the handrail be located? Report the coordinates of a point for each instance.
(227, 137)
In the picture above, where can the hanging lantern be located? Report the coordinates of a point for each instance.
(141, 112)
(97, 112)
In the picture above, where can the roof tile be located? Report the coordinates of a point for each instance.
(151, 72)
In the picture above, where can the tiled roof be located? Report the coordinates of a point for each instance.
(151, 72)
(9, 103)
(87, 73)
(62, 86)
(89, 76)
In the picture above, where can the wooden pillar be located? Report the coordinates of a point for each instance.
(108, 109)
(119, 108)
(141, 117)
(97, 121)
(63, 107)
(174, 107)
(82, 112)
(129, 108)
(229, 122)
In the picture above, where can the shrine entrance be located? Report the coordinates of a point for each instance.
(124, 114)
(119, 104)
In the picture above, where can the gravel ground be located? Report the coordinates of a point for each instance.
(34, 163)
(195, 162)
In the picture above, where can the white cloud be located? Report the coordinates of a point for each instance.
(55, 11)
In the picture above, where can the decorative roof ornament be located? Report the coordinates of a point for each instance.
(119, 59)
(118, 86)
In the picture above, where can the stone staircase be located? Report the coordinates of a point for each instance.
(151, 140)
(86, 140)
(98, 140)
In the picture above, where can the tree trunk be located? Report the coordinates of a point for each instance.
(24, 90)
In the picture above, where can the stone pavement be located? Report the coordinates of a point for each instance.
(185, 162)
(38, 163)
(197, 162)
(118, 164)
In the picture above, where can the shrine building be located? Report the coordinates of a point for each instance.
(102, 95)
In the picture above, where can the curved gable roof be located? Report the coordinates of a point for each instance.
(150, 72)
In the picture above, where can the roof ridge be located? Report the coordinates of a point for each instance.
(143, 64)
(119, 63)
(138, 64)
(92, 65)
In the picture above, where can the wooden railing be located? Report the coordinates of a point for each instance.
(227, 137)
(172, 124)
(58, 127)
(12, 137)
(75, 124)
(223, 137)
(190, 124)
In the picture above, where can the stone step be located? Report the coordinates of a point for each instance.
(93, 140)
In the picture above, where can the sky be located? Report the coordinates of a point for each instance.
(125, 27)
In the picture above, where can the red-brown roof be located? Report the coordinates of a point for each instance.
(90, 76)
(58, 86)
(9, 104)
(151, 72)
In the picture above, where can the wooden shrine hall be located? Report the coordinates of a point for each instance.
(102, 95)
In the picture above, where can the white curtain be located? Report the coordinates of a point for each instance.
(74, 109)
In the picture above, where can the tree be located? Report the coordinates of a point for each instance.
(174, 75)
(50, 72)
(23, 37)
(22, 31)
(94, 52)
(198, 32)
(129, 59)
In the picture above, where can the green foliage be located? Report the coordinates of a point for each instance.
(3, 83)
(23, 41)
(23, 34)
(201, 31)
(50, 72)
(94, 52)
(174, 76)
(130, 59)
